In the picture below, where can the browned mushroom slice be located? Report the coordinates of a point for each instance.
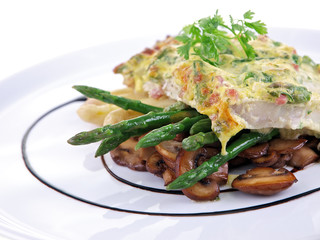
(266, 161)
(284, 146)
(283, 160)
(264, 181)
(202, 191)
(126, 155)
(237, 162)
(206, 189)
(169, 150)
(303, 157)
(221, 176)
(155, 164)
(255, 151)
(204, 154)
(168, 176)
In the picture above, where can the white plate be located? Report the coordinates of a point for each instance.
(51, 190)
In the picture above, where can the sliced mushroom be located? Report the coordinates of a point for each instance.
(283, 160)
(284, 146)
(155, 164)
(264, 181)
(168, 176)
(204, 154)
(169, 150)
(202, 191)
(206, 189)
(221, 176)
(255, 151)
(237, 162)
(266, 161)
(126, 155)
(303, 157)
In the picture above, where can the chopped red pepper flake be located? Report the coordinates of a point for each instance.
(205, 91)
(282, 99)
(214, 98)
(232, 93)
(295, 66)
(197, 78)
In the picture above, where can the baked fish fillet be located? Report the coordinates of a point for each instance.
(278, 89)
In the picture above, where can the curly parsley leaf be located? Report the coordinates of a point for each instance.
(209, 37)
(248, 15)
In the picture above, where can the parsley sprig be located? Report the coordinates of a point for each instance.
(209, 37)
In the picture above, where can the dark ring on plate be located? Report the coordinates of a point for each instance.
(45, 182)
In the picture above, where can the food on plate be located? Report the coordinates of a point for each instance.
(264, 180)
(212, 98)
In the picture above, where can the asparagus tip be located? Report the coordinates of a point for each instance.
(76, 87)
(97, 154)
(72, 141)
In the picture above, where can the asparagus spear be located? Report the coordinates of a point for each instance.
(141, 124)
(245, 141)
(198, 140)
(111, 143)
(122, 102)
(167, 132)
(204, 125)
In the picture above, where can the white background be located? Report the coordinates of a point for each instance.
(33, 31)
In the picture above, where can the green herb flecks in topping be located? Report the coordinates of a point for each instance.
(209, 37)
(201, 92)
(277, 44)
(267, 78)
(300, 94)
(263, 77)
(309, 61)
(241, 60)
(163, 59)
(296, 59)
(197, 70)
(166, 55)
(295, 94)
(198, 76)
(250, 75)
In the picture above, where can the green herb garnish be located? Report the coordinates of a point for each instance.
(295, 94)
(209, 37)
(296, 59)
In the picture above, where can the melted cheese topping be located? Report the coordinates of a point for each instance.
(278, 76)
